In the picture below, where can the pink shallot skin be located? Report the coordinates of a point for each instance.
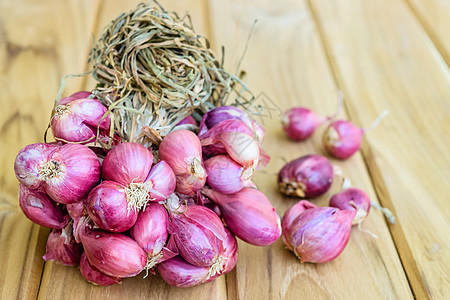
(291, 214)
(62, 248)
(319, 234)
(127, 163)
(150, 229)
(41, 209)
(199, 234)
(113, 254)
(94, 276)
(342, 139)
(249, 215)
(308, 176)
(299, 123)
(178, 272)
(107, 205)
(353, 199)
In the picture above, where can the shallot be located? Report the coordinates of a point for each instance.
(178, 272)
(306, 177)
(94, 276)
(61, 247)
(249, 215)
(319, 234)
(352, 199)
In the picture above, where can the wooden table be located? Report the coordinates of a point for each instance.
(383, 54)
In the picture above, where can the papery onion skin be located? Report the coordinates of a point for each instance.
(40, 209)
(352, 199)
(299, 123)
(150, 229)
(320, 234)
(29, 161)
(199, 234)
(113, 254)
(178, 272)
(127, 163)
(162, 181)
(291, 214)
(342, 139)
(107, 206)
(94, 276)
(308, 176)
(182, 150)
(249, 215)
(62, 248)
(79, 171)
(227, 176)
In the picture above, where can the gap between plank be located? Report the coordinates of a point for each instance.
(429, 31)
(411, 271)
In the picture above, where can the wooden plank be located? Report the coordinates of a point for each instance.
(389, 62)
(434, 16)
(60, 282)
(34, 54)
(286, 62)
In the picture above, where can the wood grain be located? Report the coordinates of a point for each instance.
(387, 64)
(434, 17)
(286, 62)
(39, 42)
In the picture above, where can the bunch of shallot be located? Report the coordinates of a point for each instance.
(175, 210)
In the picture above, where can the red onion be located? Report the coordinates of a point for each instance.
(77, 119)
(319, 234)
(199, 235)
(127, 163)
(249, 215)
(306, 177)
(161, 181)
(188, 120)
(75, 96)
(108, 206)
(94, 276)
(299, 123)
(150, 231)
(182, 150)
(62, 248)
(227, 176)
(178, 272)
(230, 255)
(352, 199)
(292, 213)
(342, 139)
(66, 174)
(39, 208)
(29, 161)
(113, 254)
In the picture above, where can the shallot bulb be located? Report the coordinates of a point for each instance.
(342, 138)
(306, 177)
(178, 272)
(107, 205)
(39, 208)
(188, 120)
(76, 119)
(292, 213)
(65, 173)
(299, 123)
(113, 254)
(222, 113)
(199, 234)
(249, 215)
(319, 234)
(75, 96)
(61, 247)
(230, 255)
(227, 176)
(182, 150)
(161, 181)
(150, 231)
(352, 199)
(94, 276)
